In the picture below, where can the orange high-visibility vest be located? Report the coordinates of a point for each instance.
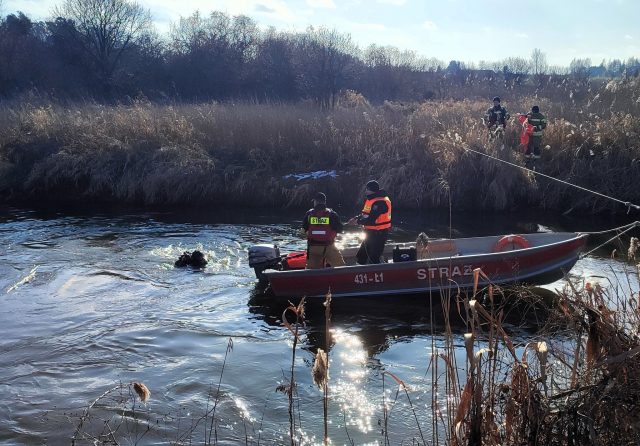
(384, 220)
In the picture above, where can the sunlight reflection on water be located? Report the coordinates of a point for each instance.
(91, 301)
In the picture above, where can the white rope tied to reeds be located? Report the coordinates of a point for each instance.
(627, 204)
(624, 229)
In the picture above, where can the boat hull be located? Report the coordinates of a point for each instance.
(535, 265)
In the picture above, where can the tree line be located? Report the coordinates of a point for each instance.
(109, 51)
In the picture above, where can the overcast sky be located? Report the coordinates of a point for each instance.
(467, 30)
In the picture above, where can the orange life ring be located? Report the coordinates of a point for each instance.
(514, 241)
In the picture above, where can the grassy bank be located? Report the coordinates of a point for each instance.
(239, 154)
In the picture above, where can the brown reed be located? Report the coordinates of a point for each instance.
(239, 154)
(298, 312)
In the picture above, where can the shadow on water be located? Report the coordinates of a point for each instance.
(382, 321)
(378, 324)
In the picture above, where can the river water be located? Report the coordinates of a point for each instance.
(90, 301)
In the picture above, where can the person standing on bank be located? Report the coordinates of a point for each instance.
(539, 123)
(322, 224)
(496, 115)
(376, 220)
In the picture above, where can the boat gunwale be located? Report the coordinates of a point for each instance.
(416, 263)
(441, 287)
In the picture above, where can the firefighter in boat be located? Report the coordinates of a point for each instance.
(376, 220)
(322, 225)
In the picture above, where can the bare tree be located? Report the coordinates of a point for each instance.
(579, 69)
(429, 64)
(273, 71)
(389, 72)
(375, 55)
(106, 29)
(201, 33)
(538, 62)
(558, 70)
(324, 58)
(517, 65)
(514, 70)
(211, 54)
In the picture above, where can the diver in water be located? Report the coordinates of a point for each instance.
(195, 259)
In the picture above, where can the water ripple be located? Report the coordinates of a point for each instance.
(94, 301)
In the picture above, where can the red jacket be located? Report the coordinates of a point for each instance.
(527, 130)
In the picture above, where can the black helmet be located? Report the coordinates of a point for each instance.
(535, 109)
(496, 99)
(373, 186)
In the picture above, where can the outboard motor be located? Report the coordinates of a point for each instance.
(263, 257)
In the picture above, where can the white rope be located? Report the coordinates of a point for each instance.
(628, 204)
(628, 227)
(620, 228)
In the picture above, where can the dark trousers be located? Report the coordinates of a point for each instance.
(533, 148)
(372, 246)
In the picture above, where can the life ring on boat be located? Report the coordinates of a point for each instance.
(513, 241)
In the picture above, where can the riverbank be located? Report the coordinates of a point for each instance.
(245, 154)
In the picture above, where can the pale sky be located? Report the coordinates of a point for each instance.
(467, 30)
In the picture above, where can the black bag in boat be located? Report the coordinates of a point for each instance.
(402, 254)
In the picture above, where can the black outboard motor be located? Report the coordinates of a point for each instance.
(263, 257)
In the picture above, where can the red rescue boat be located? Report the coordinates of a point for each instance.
(439, 265)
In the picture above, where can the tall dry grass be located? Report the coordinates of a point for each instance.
(575, 382)
(239, 154)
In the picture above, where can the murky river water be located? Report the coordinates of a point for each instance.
(90, 301)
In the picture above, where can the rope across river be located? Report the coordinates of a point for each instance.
(627, 204)
(619, 231)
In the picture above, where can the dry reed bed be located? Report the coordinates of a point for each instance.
(574, 383)
(235, 154)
